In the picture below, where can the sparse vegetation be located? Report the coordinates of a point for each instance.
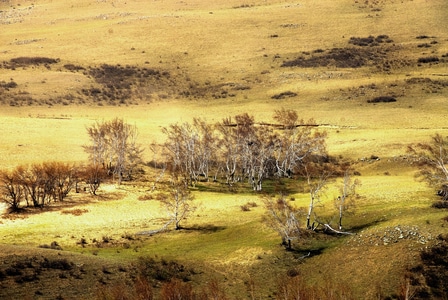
(37, 185)
(339, 58)
(370, 40)
(25, 61)
(284, 95)
(178, 70)
(384, 99)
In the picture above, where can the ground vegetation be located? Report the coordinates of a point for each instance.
(370, 74)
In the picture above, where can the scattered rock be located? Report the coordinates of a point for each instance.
(391, 235)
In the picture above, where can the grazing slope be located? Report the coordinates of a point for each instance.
(372, 73)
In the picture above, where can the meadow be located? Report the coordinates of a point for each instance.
(372, 74)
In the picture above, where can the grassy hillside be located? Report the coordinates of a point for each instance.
(66, 64)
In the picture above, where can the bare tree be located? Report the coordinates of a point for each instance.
(11, 190)
(282, 217)
(59, 179)
(346, 200)
(432, 161)
(114, 147)
(98, 150)
(229, 145)
(297, 142)
(179, 203)
(180, 145)
(93, 176)
(191, 149)
(38, 186)
(206, 152)
(317, 178)
(262, 150)
(247, 148)
(246, 137)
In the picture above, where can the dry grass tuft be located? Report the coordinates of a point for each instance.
(75, 211)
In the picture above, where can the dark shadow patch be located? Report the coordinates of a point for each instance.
(429, 278)
(204, 228)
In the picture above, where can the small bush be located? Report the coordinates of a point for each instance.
(58, 264)
(360, 41)
(82, 242)
(73, 68)
(243, 6)
(54, 245)
(145, 197)
(245, 207)
(128, 236)
(75, 212)
(248, 206)
(370, 40)
(176, 289)
(429, 59)
(284, 95)
(163, 270)
(440, 204)
(106, 239)
(8, 85)
(384, 99)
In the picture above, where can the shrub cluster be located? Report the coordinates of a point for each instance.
(163, 270)
(8, 85)
(25, 61)
(385, 99)
(119, 82)
(428, 59)
(283, 95)
(429, 278)
(73, 68)
(338, 57)
(38, 185)
(29, 269)
(370, 40)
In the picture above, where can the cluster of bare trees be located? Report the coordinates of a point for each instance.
(113, 151)
(114, 148)
(37, 185)
(239, 149)
(283, 217)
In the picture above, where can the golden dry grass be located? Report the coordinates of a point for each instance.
(215, 43)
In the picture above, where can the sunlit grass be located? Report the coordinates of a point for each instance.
(221, 42)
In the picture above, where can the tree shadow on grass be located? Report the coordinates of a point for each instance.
(205, 228)
(303, 253)
(360, 227)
